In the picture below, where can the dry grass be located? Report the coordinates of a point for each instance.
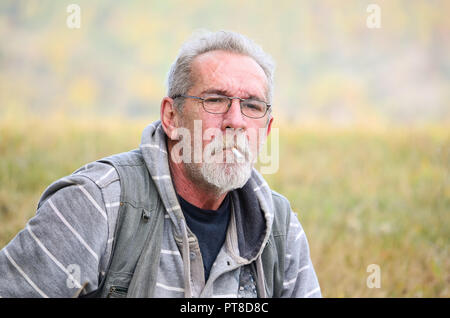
(364, 196)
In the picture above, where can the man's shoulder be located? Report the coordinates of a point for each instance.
(280, 199)
(282, 211)
(99, 172)
(104, 171)
(129, 158)
(94, 177)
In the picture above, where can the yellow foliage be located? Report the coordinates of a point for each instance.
(82, 92)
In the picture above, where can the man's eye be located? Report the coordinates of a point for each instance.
(254, 106)
(215, 100)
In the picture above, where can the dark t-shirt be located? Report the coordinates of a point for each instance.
(210, 228)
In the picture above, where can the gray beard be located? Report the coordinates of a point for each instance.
(220, 177)
(226, 177)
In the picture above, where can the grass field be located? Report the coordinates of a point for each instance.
(363, 195)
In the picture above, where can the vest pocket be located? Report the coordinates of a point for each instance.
(117, 292)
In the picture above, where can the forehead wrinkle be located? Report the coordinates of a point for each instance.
(207, 68)
(230, 86)
(224, 92)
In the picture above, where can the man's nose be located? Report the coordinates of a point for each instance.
(234, 117)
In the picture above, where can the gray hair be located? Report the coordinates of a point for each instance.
(179, 79)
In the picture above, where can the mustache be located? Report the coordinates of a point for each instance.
(237, 143)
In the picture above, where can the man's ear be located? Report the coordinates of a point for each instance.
(269, 126)
(169, 118)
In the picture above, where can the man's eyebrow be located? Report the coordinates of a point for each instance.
(226, 93)
(215, 91)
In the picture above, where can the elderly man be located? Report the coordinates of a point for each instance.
(185, 215)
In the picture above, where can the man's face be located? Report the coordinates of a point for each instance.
(233, 75)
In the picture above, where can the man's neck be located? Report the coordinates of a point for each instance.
(196, 193)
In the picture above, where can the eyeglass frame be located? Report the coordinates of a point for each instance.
(230, 99)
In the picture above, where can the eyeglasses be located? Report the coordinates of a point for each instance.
(252, 108)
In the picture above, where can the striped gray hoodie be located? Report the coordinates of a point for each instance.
(68, 242)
